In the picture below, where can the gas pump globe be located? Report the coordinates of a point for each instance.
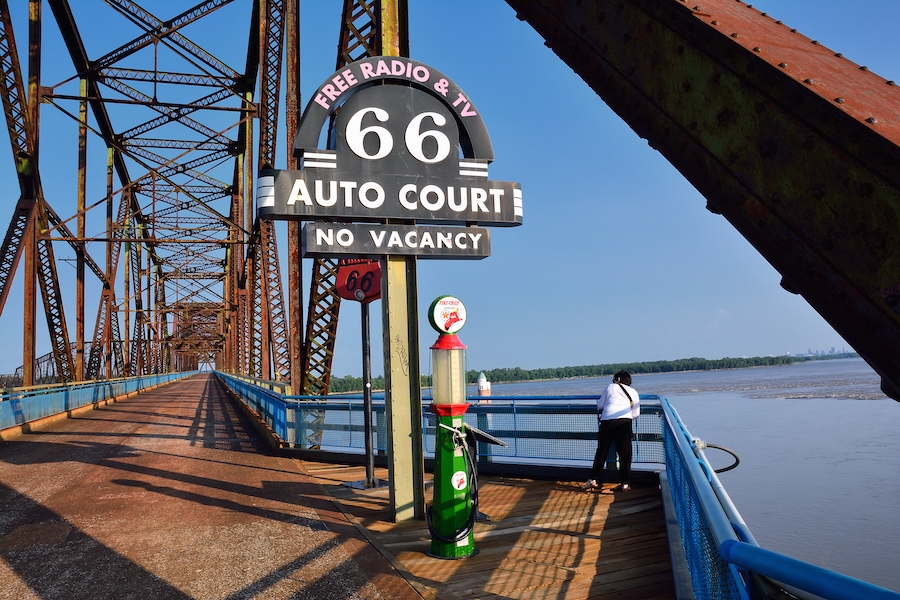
(448, 357)
(452, 514)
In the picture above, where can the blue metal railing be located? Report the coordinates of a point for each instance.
(26, 405)
(721, 552)
(562, 433)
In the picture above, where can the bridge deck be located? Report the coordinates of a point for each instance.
(545, 539)
(170, 495)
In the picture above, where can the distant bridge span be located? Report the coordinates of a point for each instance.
(792, 143)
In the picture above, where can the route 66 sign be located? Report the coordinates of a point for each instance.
(358, 280)
(408, 146)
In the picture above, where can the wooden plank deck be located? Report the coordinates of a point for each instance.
(545, 539)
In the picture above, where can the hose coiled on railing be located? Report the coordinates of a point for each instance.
(700, 444)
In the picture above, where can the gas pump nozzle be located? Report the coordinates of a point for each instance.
(459, 438)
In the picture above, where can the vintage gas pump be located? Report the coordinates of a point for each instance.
(453, 510)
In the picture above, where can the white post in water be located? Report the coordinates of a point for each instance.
(484, 386)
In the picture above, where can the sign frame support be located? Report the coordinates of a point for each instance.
(402, 382)
(400, 330)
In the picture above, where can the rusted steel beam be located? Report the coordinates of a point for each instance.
(275, 310)
(81, 224)
(167, 200)
(276, 361)
(44, 265)
(321, 327)
(291, 120)
(360, 37)
(12, 85)
(791, 142)
(255, 297)
(159, 31)
(12, 96)
(72, 38)
(11, 250)
(22, 123)
(107, 320)
(52, 296)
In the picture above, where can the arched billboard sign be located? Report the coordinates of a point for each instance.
(407, 146)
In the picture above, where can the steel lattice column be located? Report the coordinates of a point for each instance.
(22, 121)
(275, 344)
(291, 119)
(360, 37)
(12, 92)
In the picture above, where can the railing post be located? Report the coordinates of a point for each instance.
(290, 424)
(380, 432)
(302, 438)
(485, 450)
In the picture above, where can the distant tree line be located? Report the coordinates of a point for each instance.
(507, 375)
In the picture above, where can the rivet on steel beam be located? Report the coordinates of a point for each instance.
(793, 31)
(778, 22)
(839, 100)
(734, 35)
(763, 15)
(816, 42)
(714, 23)
(782, 65)
(757, 49)
(838, 54)
(864, 68)
(809, 81)
(872, 120)
(890, 82)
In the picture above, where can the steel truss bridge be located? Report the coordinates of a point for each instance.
(792, 143)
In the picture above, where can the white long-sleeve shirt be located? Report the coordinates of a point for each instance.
(614, 404)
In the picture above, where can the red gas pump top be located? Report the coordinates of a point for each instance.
(448, 341)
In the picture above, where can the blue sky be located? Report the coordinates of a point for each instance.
(617, 260)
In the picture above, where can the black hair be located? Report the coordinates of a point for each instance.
(622, 377)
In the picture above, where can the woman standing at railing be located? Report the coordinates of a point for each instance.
(617, 408)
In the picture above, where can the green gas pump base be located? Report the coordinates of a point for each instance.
(452, 514)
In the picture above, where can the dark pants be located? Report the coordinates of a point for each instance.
(618, 432)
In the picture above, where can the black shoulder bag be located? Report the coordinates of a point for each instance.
(599, 414)
(626, 393)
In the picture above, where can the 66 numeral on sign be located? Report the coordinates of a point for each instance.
(360, 282)
(414, 137)
(364, 283)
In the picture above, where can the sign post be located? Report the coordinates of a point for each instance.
(360, 280)
(404, 176)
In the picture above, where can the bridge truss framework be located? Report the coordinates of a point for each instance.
(183, 272)
(792, 143)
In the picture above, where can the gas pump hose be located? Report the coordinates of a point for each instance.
(464, 531)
